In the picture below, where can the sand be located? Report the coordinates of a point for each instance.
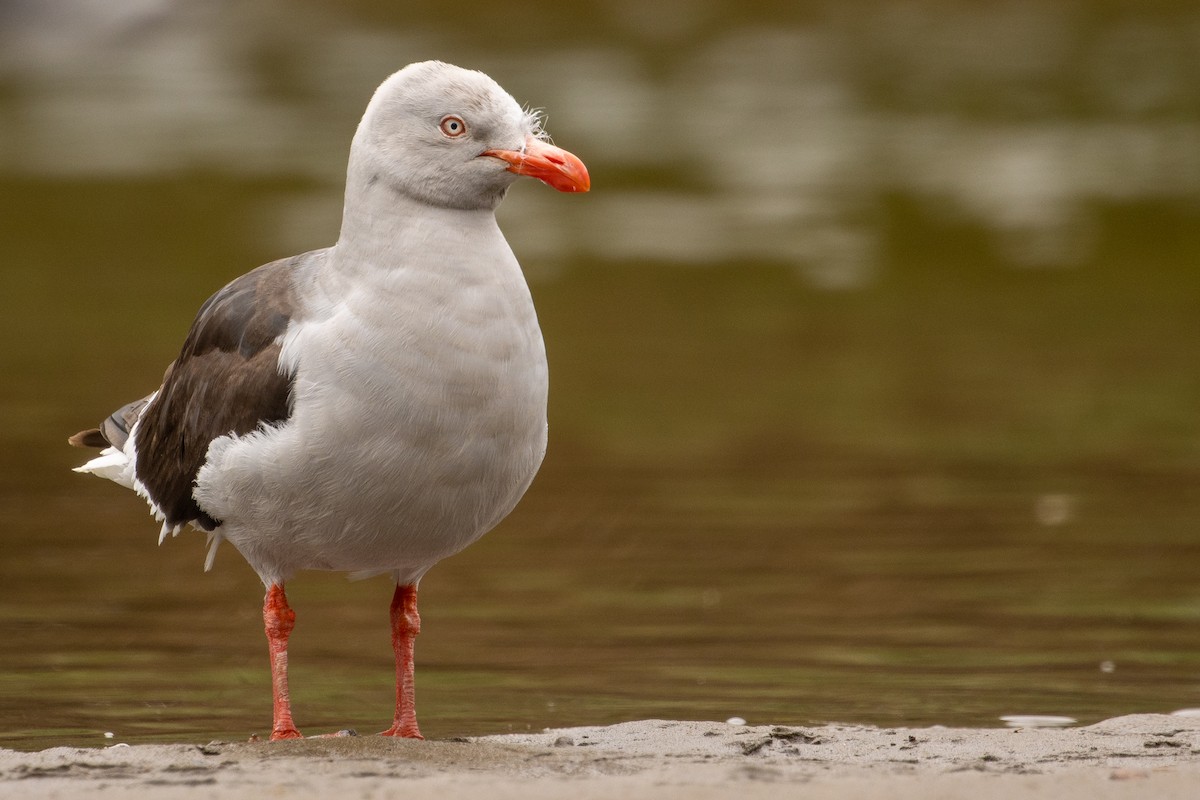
(1140, 756)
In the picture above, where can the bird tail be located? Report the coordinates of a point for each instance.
(112, 464)
(113, 434)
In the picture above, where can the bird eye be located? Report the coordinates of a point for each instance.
(453, 126)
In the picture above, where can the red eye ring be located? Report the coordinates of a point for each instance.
(452, 126)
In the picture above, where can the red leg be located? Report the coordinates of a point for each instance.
(279, 620)
(406, 624)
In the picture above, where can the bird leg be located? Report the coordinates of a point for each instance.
(279, 619)
(406, 624)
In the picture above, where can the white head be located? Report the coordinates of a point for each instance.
(453, 138)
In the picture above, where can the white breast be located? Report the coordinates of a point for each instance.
(419, 414)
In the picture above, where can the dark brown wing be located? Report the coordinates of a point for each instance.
(225, 380)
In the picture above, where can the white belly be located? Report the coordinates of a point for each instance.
(419, 421)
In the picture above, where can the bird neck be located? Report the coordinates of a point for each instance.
(383, 228)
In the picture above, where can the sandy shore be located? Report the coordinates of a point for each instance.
(1142, 756)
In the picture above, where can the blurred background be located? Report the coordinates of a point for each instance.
(874, 386)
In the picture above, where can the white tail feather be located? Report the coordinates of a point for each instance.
(111, 464)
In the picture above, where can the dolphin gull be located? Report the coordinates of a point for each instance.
(374, 406)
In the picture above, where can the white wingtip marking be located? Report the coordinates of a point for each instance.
(214, 539)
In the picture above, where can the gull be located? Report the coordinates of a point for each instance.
(374, 406)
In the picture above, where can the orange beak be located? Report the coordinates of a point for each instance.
(549, 164)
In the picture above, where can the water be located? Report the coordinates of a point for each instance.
(875, 404)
